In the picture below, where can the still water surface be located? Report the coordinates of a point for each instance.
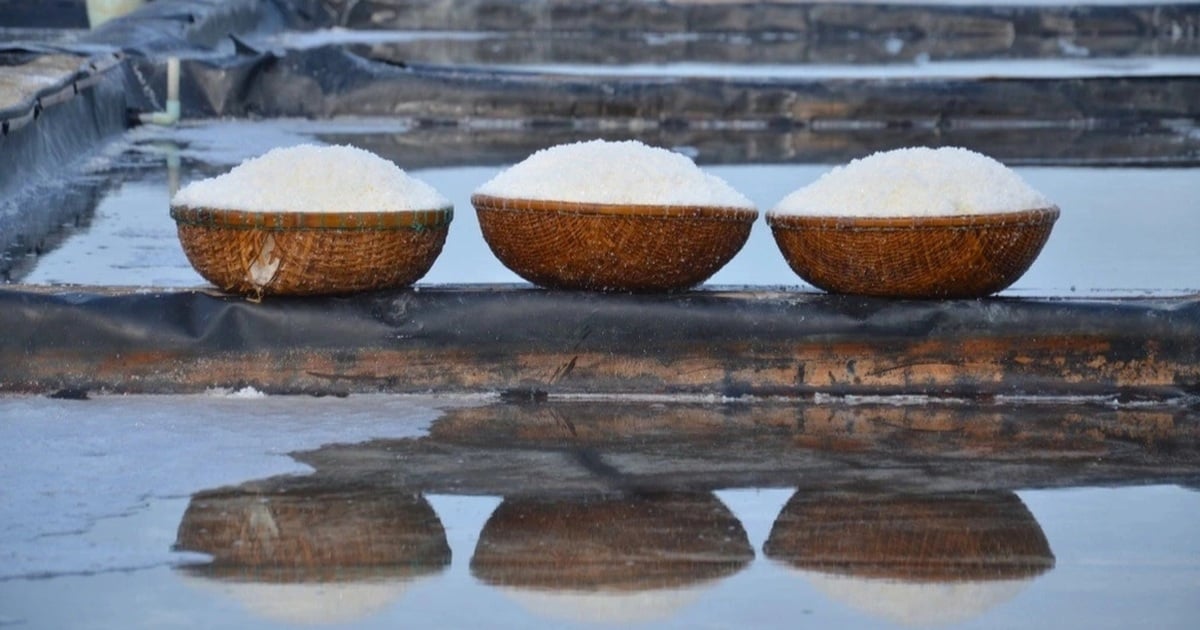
(656, 515)
(1123, 231)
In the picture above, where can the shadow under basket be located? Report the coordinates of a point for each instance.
(611, 247)
(961, 256)
(305, 253)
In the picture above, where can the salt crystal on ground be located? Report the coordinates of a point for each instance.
(915, 182)
(310, 178)
(246, 392)
(599, 171)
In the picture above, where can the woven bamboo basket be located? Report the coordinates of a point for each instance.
(618, 543)
(937, 538)
(303, 253)
(963, 256)
(610, 247)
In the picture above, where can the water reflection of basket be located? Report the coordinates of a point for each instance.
(610, 247)
(302, 253)
(651, 541)
(302, 535)
(936, 538)
(963, 256)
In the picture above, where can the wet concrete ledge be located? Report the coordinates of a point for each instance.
(529, 343)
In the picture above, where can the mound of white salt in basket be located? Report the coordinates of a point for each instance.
(310, 178)
(599, 171)
(915, 182)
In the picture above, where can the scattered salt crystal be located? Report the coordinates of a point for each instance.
(913, 182)
(246, 392)
(599, 171)
(310, 178)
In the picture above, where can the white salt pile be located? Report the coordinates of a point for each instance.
(915, 182)
(310, 178)
(626, 172)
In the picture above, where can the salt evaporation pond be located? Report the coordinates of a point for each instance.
(1123, 231)
(99, 492)
(104, 493)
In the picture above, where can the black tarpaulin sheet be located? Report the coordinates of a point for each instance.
(330, 81)
(995, 25)
(186, 27)
(534, 342)
(47, 132)
(45, 139)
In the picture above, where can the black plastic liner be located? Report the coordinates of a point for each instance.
(186, 27)
(43, 144)
(46, 136)
(638, 47)
(433, 146)
(995, 24)
(44, 14)
(333, 81)
(534, 343)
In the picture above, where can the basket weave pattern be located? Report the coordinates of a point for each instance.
(965, 256)
(610, 247)
(307, 253)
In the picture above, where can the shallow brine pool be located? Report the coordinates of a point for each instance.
(234, 510)
(1123, 231)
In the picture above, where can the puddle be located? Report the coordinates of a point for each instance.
(584, 515)
(73, 466)
(1123, 231)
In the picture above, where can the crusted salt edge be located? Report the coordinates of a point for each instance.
(915, 182)
(311, 178)
(627, 172)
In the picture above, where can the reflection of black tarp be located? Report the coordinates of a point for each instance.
(610, 447)
(531, 341)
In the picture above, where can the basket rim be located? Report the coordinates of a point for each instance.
(280, 221)
(1031, 217)
(586, 208)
